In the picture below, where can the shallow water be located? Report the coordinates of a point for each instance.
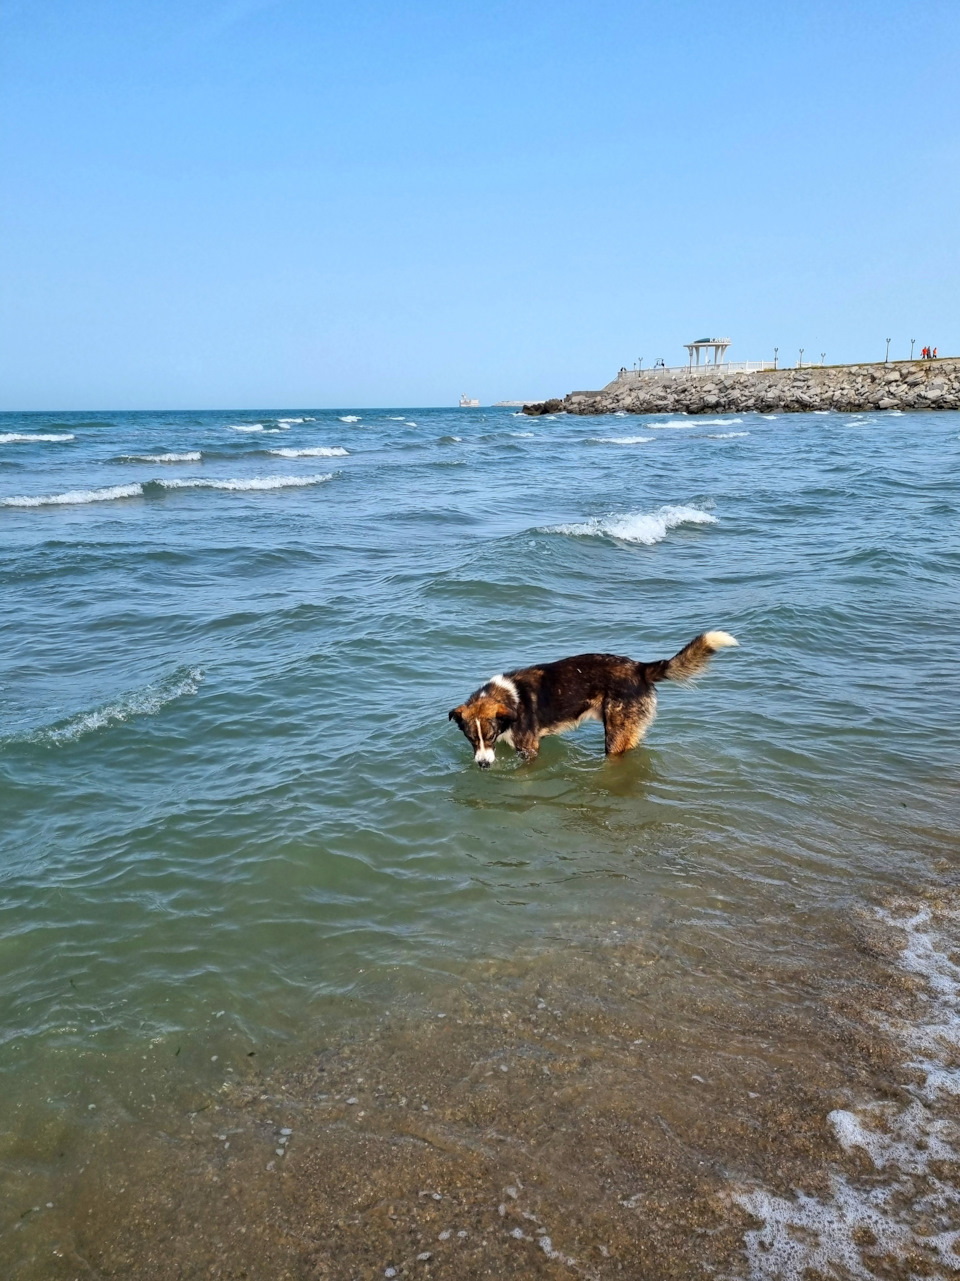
(236, 819)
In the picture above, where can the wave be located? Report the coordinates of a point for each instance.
(285, 422)
(620, 440)
(245, 426)
(253, 483)
(193, 456)
(696, 422)
(909, 1137)
(640, 527)
(354, 418)
(141, 702)
(725, 435)
(74, 496)
(23, 438)
(317, 451)
(523, 435)
(82, 496)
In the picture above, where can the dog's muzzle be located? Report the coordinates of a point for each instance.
(484, 757)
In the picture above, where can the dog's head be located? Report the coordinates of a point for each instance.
(483, 718)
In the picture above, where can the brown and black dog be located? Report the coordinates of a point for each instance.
(523, 706)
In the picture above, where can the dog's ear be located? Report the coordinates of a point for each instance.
(456, 714)
(505, 715)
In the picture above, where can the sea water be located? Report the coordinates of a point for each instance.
(234, 815)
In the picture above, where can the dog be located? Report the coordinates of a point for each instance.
(521, 707)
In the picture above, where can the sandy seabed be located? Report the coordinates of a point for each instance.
(597, 1111)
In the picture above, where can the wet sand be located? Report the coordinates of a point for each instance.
(606, 1110)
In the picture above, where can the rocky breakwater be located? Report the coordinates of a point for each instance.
(902, 384)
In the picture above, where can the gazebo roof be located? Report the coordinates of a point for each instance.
(706, 342)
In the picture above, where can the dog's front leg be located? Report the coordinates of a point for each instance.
(527, 745)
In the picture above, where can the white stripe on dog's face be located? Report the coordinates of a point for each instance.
(483, 754)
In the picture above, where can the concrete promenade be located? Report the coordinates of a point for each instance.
(899, 384)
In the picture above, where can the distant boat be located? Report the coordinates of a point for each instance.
(467, 403)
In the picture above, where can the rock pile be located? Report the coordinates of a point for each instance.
(903, 384)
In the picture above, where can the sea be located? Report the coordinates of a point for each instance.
(288, 987)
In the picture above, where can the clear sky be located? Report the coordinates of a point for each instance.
(271, 203)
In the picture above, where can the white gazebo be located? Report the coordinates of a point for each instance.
(717, 345)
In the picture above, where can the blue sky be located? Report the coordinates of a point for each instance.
(257, 203)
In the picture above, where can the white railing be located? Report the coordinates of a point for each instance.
(695, 371)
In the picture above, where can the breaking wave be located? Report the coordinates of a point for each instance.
(192, 456)
(858, 1226)
(317, 451)
(350, 418)
(73, 496)
(245, 426)
(725, 435)
(640, 527)
(82, 496)
(23, 438)
(285, 422)
(620, 440)
(141, 702)
(694, 421)
(253, 483)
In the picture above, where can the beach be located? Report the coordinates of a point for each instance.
(290, 988)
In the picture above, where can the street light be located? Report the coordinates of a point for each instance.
(822, 357)
(800, 366)
(912, 341)
(641, 363)
(775, 350)
(886, 359)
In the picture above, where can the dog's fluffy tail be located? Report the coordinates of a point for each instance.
(692, 659)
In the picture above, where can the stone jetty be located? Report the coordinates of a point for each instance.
(900, 384)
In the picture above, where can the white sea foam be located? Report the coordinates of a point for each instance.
(287, 421)
(725, 435)
(355, 418)
(676, 425)
(82, 496)
(141, 702)
(252, 483)
(621, 440)
(245, 426)
(74, 496)
(640, 527)
(193, 456)
(24, 438)
(912, 1214)
(315, 451)
(523, 435)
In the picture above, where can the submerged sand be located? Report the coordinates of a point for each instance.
(596, 1111)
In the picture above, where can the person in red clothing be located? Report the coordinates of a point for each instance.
(934, 353)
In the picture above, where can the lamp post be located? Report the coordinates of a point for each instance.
(800, 366)
(775, 350)
(822, 358)
(886, 359)
(640, 366)
(912, 341)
